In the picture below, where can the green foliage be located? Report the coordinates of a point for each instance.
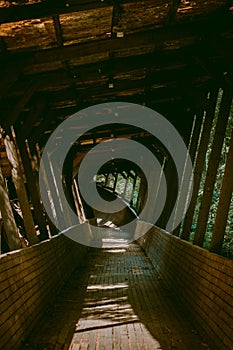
(227, 249)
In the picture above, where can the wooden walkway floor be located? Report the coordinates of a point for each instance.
(115, 301)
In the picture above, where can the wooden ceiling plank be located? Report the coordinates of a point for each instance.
(172, 11)
(75, 91)
(160, 60)
(34, 115)
(11, 70)
(48, 8)
(39, 131)
(11, 119)
(158, 36)
(51, 8)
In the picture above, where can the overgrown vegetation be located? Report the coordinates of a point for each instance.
(227, 249)
(129, 190)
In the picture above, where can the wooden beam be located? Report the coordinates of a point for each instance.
(159, 59)
(30, 89)
(8, 217)
(116, 17)
(172, 192)
(17, 178)
(35, 114)
(128, 87)
(10, 72)
(54, 116)
(172, 11)
(3, 46)
(37, 132)
(193, 143)
(61, 79)
(33, 189)
(36, 152)
(110, 44)
(48, 8)
(58, 30)
(223, 204)
(142, 39)
(200, 161)
(217, 73)
(212, 167)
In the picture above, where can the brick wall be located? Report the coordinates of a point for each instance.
(29, 281)
(202, 281)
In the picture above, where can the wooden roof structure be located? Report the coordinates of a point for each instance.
(57, 57)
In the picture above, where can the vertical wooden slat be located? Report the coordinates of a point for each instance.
(213, 167)
(8, 217)
(33, 188)
(58, 29)
(126, 185)
(142, 195)
(224, 203)
(17, 178)
(58, 190)
(78, 202)
(172, 191)
(36, 153)
(193, 143)
(29, 91)
(38, 109)
(115, 181)
(200, 161)
(106, 180)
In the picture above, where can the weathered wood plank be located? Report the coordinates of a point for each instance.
(212, 167)
(224, 203)
(33, 188)
(8, 217)
(200, 161)
(17, 178)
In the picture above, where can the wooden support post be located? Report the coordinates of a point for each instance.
(126, 184)
(17, 178)
(224, 203)
(195, 136)
(115, 181)
(142, 195)
(36, 153)
(50, 200)
(13, 239)
(78, 202)
(155, 178)
(33, 188)
(193, 145)
(55, 189)
(10, 72)
(172, 192)
(193, 142)
(200, 161)
(134, 185)
(29, 91)
(106, 179)
(58, 29)
(39, 130)
(172, 11)
(37, 110)
(213, 166)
